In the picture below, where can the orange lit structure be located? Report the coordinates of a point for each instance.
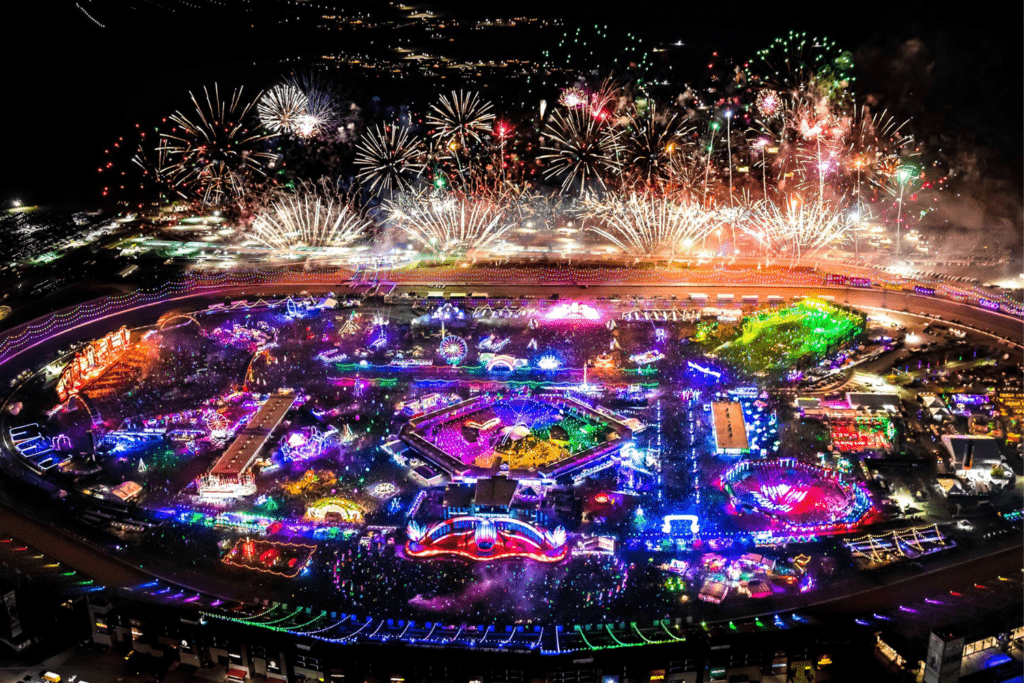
(91, 362)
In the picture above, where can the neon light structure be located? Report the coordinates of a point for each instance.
(703, 370)
(384, 490)
(470, 383)
(797, 496)
(216, 422)
(573, 311)
(780, 497)
(549, 362)
(238, 336)
(779, 337)
(427, 404)
(447, 311)
(334, 510)
(306, 445)
(647, 357)
(667, 523)
(860, 434)
(486, 539)
(348, 629)
(283, 559)
(230, 476)
(378, 337)
(911, 543)
(540, 435)
(493, 362)
(453, 349)
(492, 343)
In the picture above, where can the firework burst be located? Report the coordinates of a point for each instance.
(462, 118)
(648, 225)
(151, 162)
(651, 143)
(605, 97)
(573, 98)
(387, 159)
(796, 62)
(811, 143)
(769, 104)
(321, 113)
(309, 126)
(301, 106)
(449, 224)
(315, 215)
(583, 149)
(875, 144)
(881, 133)
(281, 108)
(131, 170)
(597, 48)
(684, 174)
(797, 228)
(212, 153)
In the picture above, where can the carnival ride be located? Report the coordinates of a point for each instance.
(797, 496)
(548, 434)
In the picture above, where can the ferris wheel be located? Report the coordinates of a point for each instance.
(453, 349)
(216, 422)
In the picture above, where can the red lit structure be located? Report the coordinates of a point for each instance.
(270, 557)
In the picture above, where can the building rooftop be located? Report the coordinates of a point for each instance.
(878, 402)
(730, 428)
(243, 450)
(983, 450)
(495, 491)
(458, 496)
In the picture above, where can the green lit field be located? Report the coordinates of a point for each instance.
(782, 338)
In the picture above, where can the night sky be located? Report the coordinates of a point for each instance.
(74, 87)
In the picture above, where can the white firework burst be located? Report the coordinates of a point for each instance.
(449, 224)
(769, 103)
(298, 107)
(583, 149)
(798, 228)
(387, 159)
(282, 108)
(649, 225)
(876, 146)
(321, 114)
(461, 118)
(213, 153)
(315, 215)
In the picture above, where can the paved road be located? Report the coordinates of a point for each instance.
(106, 570)
(908, 589)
